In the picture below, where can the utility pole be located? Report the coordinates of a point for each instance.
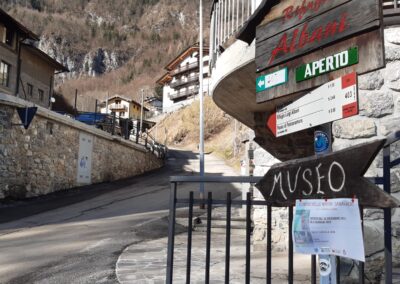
(141, 113)
(201, 146)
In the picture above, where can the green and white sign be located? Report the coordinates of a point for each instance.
(328, 64)
(271, 80)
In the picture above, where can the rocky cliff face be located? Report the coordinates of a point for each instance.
(92, 63)
(110, 46)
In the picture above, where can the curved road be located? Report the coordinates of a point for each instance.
(77, 236)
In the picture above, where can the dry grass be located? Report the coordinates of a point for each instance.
(181, 130)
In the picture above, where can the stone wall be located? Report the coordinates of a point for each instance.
(44, 158)
(379, 102)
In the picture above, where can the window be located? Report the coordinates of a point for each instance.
(41, 95)
(122, 113)
(4, 73)
(30, 89)
(6, 35)
(9, 37)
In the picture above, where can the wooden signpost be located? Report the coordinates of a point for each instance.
(293, 37)
(333, 101)
(335, 175)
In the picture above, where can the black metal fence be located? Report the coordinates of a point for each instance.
(249, 203)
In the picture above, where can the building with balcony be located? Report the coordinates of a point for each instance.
(181, 82)
(123, 107)
(25, 71)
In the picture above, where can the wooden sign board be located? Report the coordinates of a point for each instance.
(296, 33)
(371, 56)
(335, 175)
(333, 101)
(276, 43)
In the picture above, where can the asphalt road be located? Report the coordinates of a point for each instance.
(77, 236)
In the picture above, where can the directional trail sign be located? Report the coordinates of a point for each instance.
(334, 175)
(333, 101)
(271, 80)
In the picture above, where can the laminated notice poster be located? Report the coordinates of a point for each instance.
(328, 227)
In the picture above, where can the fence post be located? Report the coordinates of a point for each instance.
(113, 125)
(171, 233)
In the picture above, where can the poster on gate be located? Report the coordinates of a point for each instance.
(328, 227)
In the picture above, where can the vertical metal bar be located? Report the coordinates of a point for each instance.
(237, 14)
(242, 11)
(361, 279)
(228, 236)
(113, 124)
(290, 261)
(387, 217)
(189, 241)
(313, 269)
(228, 18)
(208, 242)
(269, 244)
(220, 24)
(224, 32)
(338, 270)
(233, 17)
(248, 236)
(171, 233)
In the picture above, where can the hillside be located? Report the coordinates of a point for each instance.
(181, 130)
(110, 46)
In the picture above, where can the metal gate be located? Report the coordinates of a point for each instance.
(210, 202)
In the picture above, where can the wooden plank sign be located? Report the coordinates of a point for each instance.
(335, 175)
(333, 101)
(276, 43)
(365, 54)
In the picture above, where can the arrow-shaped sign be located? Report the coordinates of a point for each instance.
(335, 175)
(271, 80)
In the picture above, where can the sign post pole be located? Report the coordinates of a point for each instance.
(322, 146)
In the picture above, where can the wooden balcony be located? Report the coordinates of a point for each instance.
(186, 93)
(118, 107)
(185, 68)
(184, 81)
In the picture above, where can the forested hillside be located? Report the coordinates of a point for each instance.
(114, 46)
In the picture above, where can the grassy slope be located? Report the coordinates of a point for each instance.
(181, 130)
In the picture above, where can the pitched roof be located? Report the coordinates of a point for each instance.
(166, 78)
(177, 60)
(7, 19)
(57, 66)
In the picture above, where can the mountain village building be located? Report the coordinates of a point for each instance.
(25, 71)
(123, 107)
(181, 82)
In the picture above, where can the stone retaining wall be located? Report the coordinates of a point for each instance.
(44, 158)
(379, 102)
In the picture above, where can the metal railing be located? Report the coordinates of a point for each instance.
(185, 68)
(118, 107)
(184, 81)
(179, 200)
(227, 17)
(186, 93)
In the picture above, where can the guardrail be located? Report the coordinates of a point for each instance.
(184, 81)
(185, 68)
(189, 92)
